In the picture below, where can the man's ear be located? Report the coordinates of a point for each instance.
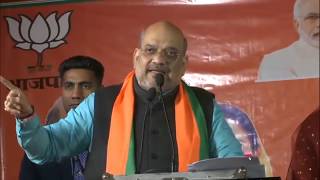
(186, 59)
(135, 57)
(296, 24)
(185, 62)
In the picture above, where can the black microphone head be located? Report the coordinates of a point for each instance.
(159, 80)
(151, 94)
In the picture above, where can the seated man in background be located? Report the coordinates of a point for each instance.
(80, 76)
(152, 122)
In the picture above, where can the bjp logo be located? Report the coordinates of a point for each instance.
(39, 34)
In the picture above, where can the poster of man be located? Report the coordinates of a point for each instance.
(300, 60)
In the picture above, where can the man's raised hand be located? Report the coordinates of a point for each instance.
(16, 102)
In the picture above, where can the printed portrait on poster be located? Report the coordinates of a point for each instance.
(300, 60)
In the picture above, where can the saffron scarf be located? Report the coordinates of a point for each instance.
(191, 130)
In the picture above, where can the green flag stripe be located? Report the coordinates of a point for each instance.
(202, 125)
(130, 168)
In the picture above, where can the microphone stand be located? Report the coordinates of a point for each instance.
(160, 81)
(150, 96)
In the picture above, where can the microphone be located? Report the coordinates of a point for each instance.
(151, 93)
(160, 81)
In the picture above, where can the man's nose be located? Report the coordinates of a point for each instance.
(159, 58)
(77, 92)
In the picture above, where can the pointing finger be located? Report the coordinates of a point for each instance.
(7, 83)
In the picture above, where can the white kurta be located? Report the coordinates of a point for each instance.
(297, 61)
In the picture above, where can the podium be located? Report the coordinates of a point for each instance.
(209, 169)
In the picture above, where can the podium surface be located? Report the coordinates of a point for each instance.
(208, 169)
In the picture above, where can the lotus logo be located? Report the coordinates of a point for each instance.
(39, 34)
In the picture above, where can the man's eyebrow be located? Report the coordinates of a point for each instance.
(313, 14)
(149, 45)
(85, 82)
(68, 81)
(172, 48)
